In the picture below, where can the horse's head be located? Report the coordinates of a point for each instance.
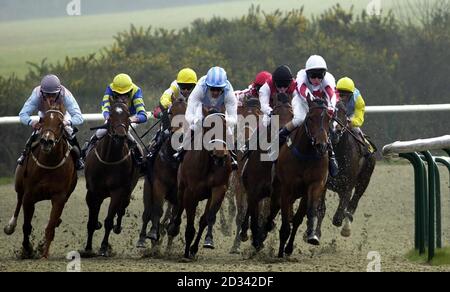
(341, 117)
(283, 108)
(178, 108)
(119, 121)
(52, 130)
(215, 131)
(317, 125)
(251, 107)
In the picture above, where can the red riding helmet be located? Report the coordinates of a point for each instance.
(262, 78)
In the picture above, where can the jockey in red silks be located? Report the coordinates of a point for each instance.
(313, 82)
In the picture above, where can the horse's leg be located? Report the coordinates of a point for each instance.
(296, 222)
(55, 215)
(241, 202)
(253, 208)
(344, 198)
(158, 196)
(28, 211)
(11, 227)
(360, 188)
(202, 225)
(165, 220)
(314, 197)
(321, 214)
(94, 205)
(285, 229)
(125, 201)
(114, 206)
(146, 214)
(274, 206)
(191, 206)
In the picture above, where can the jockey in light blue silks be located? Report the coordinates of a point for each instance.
(51, 92)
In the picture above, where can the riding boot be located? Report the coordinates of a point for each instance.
(79, 164)
(87, 146)
(332, 162)
(27, 149)
(234, 163)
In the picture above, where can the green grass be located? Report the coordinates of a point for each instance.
(6, 180)
(441, 257)
(56, 38)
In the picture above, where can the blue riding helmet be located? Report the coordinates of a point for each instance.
(216, 77)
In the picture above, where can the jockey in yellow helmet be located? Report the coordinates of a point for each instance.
(355, 107)
(181, 87)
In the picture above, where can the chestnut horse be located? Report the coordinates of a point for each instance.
(47, 174)
(110, 171)
(203, 174)
(301, 172)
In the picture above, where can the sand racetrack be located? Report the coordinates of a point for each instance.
(383, 223)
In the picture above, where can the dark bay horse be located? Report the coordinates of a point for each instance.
(110, 171)
(356, 165)
(301, 172)
(257, 176)
(161, 182)
(251, 108)
(48, 174)
(203, 174)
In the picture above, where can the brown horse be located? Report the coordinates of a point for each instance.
(202, 175)
(250, 108)
(302, 171)
(110, 171)
(257, 176)
(161, 182)
(356, 165)
(48, 174)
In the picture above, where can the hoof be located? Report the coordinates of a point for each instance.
(209, 243)
(346, 232)
(105, 252)
(313, 240)
(173, 230)
(117, 229)
(153, 235)
(141, 243)
(337, 221)
(9, 229)
(258, 246)
(288, 250)
(235, 250)
(99, 226)
(59, 222)
(87, 254)
(270, 226)
(244, 237)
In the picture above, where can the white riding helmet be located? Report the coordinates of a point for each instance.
(316, 62)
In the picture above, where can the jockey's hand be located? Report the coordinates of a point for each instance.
(134, 120)
(157, 112)
(36, 125)
(67, 123)
(349, 123)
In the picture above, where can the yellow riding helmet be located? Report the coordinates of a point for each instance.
(122, 84)
(346, 84)
(187, 75)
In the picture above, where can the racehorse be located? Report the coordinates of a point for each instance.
(161, 182)
(110, 171)
(250, 107)
(203, 174)
(301, 172)
(48, 174)
(356, 165)
(257, 175)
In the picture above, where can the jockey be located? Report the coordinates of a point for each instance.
(253, 89)
(214, 92)
(313, 82)
(51, 92)
(282, 81)
(181, 87)
(122, 89)
(355, 105)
